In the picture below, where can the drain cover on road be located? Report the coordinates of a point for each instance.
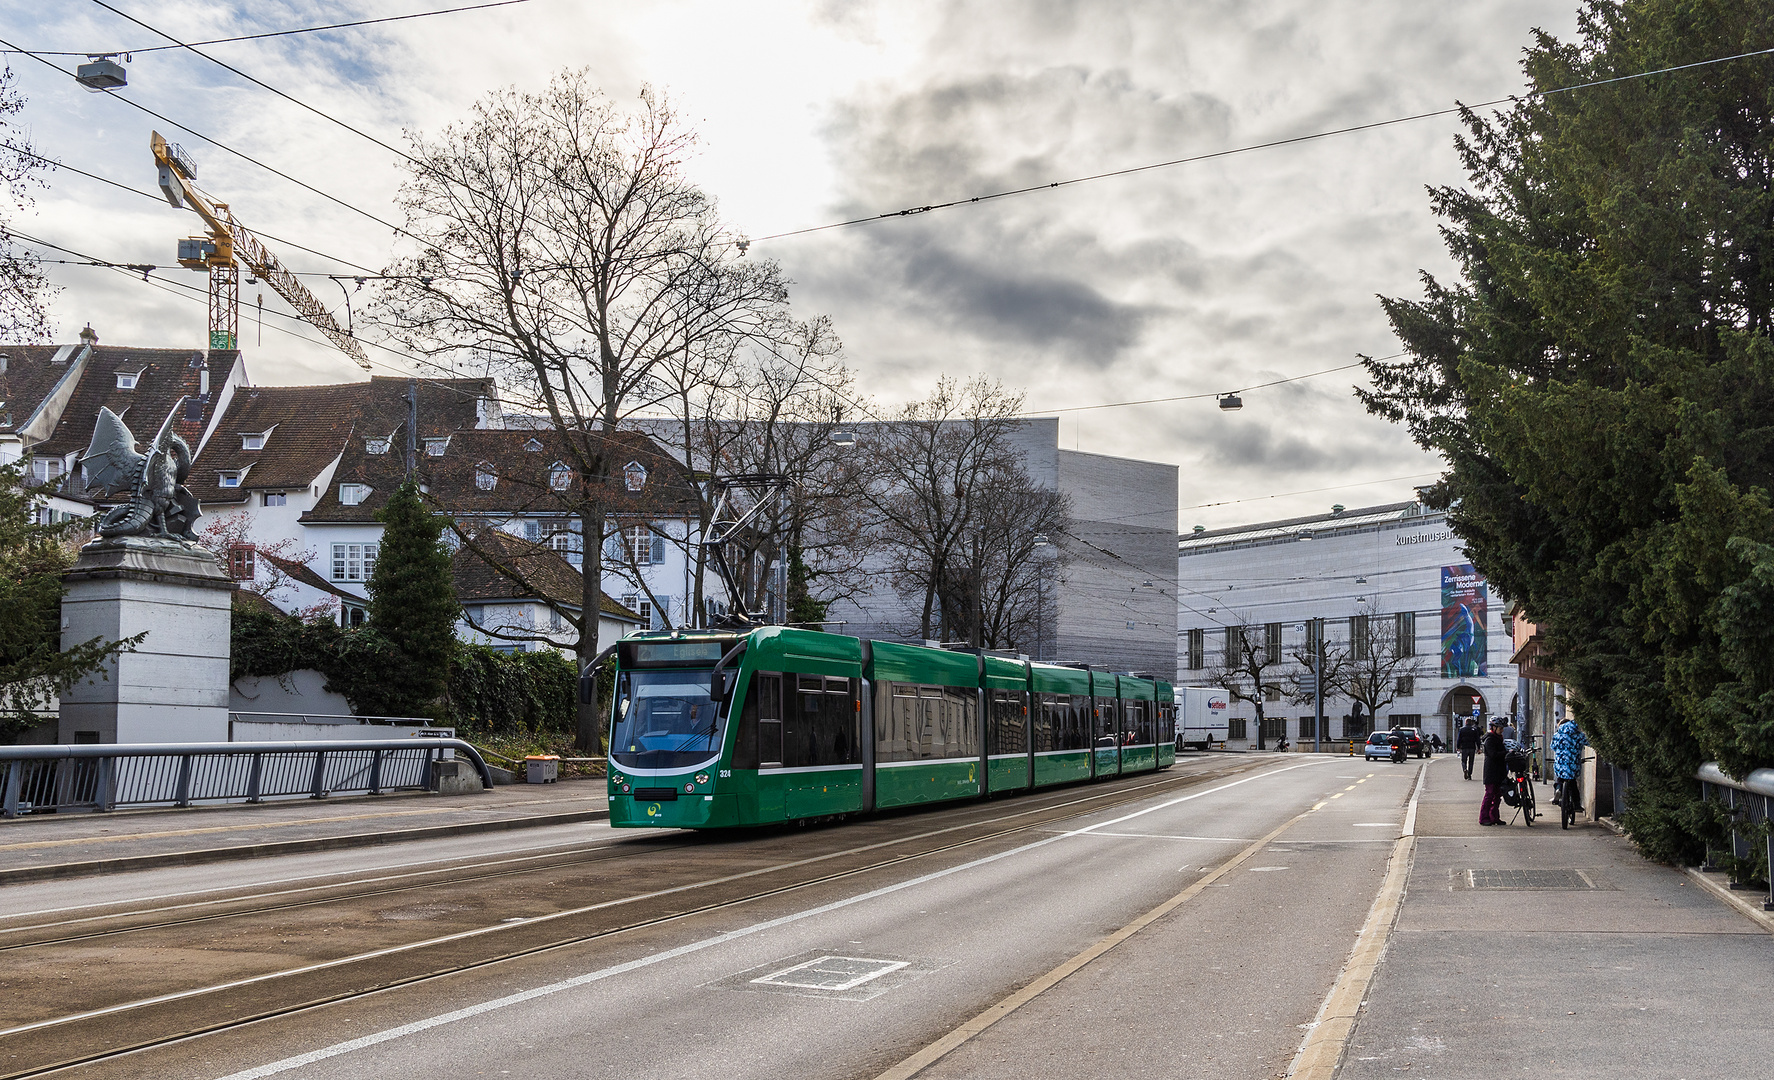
(1527, 878)
(832, 974)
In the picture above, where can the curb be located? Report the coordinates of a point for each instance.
(1753, 912)
(130, 863)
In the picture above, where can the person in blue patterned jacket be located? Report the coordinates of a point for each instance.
(1567, 760)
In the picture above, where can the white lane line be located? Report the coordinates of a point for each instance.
(1159, 836)
(519, 998)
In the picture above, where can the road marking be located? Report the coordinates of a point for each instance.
(1160, 836)
(484, 1007)
(1328, 1036)
(942, 1047)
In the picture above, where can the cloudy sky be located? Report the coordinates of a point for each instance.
(1195, 279)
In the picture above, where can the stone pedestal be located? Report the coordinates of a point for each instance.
(174, 686)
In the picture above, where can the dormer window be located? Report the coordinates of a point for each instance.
(560, 476)
(353, 494)
(436, 447)
(634, 476)
(376, 446)
(253, 441)
(229, 479)
(126, 380)
(484, 476)
(534, 446)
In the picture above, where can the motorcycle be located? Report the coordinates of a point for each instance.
(1398, 751)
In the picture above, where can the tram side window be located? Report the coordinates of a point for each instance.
(1167, 723)
(1106, 714)
(1005, 734)
(823, 728)
(1041, 726)
(1140, 715)
(898, 717)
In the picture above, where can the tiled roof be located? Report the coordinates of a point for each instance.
(306, 427)
(304, 574)
(520, 476)
(31, 374)
(545, 574)
(163, 376)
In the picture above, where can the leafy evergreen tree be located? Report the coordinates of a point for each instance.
(413, 602)
(33, 666)
(1600, 383)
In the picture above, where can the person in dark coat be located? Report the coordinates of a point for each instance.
(1496, 774)
(1466, 741)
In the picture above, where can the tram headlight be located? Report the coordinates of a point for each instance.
(702, 778)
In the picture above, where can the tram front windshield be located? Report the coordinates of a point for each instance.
(665, 720)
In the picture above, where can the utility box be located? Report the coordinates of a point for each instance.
(542, 768)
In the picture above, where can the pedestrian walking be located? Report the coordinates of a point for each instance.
(1510, 732)
(1567, 762)
(1466, 741)
(1496, 774)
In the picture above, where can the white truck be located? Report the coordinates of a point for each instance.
(1202, 714)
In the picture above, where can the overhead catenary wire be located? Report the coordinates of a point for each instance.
(1271, 144)
(282, 33)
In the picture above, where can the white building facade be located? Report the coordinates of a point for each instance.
(1375, 575)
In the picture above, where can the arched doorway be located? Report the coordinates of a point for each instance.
(1456, 706)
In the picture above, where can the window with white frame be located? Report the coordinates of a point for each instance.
(126, 380)
(253, 440)
(640, 605)
(229, 480)
(376, 445)
(351, 494)
(562, 538)
(560, 476)
(534, 446)
(354, 562)
(274, 498)
(484, 476)
(634, 476)
(436, 447)
(242, 560)
(642, 545)
(45, 469)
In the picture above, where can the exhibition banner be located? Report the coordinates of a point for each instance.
(1463, 653)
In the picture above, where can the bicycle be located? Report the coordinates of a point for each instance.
(1567, 802)
(1519, 791)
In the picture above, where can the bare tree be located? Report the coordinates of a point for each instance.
(25, 290)
(958, 514)
(1252, 668)
(561, 246)
(1378, 663)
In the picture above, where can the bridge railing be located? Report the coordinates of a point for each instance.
(1749, 801)
(36, 779)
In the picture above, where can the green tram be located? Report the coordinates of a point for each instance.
(716, 730)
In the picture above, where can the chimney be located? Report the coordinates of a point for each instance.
(89, 337)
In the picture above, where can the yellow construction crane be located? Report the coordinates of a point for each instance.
(228, 245)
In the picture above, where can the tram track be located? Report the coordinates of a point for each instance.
(88, 1037)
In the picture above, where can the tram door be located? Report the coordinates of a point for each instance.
(1107, 736)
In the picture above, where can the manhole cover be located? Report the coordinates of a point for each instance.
(1528, 878)
(834, 973)
(831, 974)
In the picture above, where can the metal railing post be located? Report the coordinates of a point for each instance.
(182, 794)
(105, 797)
(9, 802)
(319, 774)
(375, 772)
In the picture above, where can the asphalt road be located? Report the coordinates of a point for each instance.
(827, 953)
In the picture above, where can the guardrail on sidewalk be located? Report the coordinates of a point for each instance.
(1748, 800)
(106, 776)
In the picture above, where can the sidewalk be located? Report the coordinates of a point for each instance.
(1550, 953)
(38, 847)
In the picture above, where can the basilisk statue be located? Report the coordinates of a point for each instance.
(159, 505)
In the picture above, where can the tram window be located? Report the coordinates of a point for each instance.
(1006, 734)
(898, 717)
(1104, 710)
(824, 728)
